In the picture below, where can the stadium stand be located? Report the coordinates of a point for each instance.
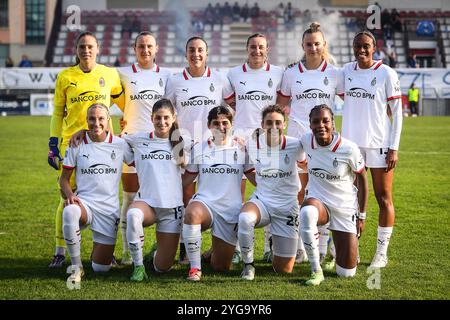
(227, 41)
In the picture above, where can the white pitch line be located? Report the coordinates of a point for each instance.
(426, 152)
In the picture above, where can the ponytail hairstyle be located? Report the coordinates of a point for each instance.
(320, 107)
(81, 35)
(313, 28)
(175, 138)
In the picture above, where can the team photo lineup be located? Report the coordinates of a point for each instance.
(224, 157)
(189, 142)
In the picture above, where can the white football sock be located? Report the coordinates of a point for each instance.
(323, 239)
(72, 233)
(135, 235)
(267, 236)
(309, 215)
(192, 234)
(346, 273)
(127, 199)
(384, 235)
(246, 235)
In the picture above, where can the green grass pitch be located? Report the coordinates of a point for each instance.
(419, 265)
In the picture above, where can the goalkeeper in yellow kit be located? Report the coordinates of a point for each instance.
(76, 89)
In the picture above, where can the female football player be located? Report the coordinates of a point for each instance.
(97, 162)
(333, 165)
(76, 89)
(372, 118)
(219, 162)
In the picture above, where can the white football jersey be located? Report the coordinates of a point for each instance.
(276, 169)
(142, 88)
(365, 119)
(309, 88)
(98, 168)
(254, 90)
(158, 175)
(331, 171)
(194, 97)
(220, 170)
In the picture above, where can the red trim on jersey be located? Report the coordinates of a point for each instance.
(283, 143)
(68, 167)
(134, 68)
(157, 68)
(151, 135)
(85, 139)
(268, 67)
(300, 67)
(338, 143)
(231, 96)
(249, 170)
(324, 66)
(110, 138)
(209, 72)
(341, 94)
(393, 97)
(361, 170)
(378, 65)
(190, 172)
(244, 68)
(185, 75)
(281, 94)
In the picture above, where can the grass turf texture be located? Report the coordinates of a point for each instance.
(419, 249)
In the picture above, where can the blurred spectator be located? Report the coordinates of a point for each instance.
(379, 54)
(254, 11)
(412, 61)
(395, 21)
(199, 27)
(413, 98)
(209, 15)
(9, 63)
(280, 10)
(126, 25)
(218, 14)
(236, 12)
(136, 25)
(392, 59)
(245, 12)
(25, 62)
(288, 16)
(385, 18)
(227, 12)
(117, 62)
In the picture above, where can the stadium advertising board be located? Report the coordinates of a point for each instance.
(14, 104)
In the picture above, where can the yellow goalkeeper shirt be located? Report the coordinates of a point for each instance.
(75, 92)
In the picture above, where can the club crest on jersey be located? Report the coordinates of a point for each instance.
(335, 163)
(161, 83)
(286, 159)
(374, 81)
(325, 81)
(101, 82)
(211, 88)
(113, 155)
(270, 83)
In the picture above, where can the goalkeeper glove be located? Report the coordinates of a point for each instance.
(54, 157)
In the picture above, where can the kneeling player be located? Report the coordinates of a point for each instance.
(98, 162)
(158, 157)
(333, 163)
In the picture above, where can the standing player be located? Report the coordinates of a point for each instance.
(332, 198)
(219, 162)
(274, 201)
(76, 89)
(193, 92)
(144, 83)
(372, 94)
(158, 157)
(98, 165)
(255, 85)
(306, 84)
